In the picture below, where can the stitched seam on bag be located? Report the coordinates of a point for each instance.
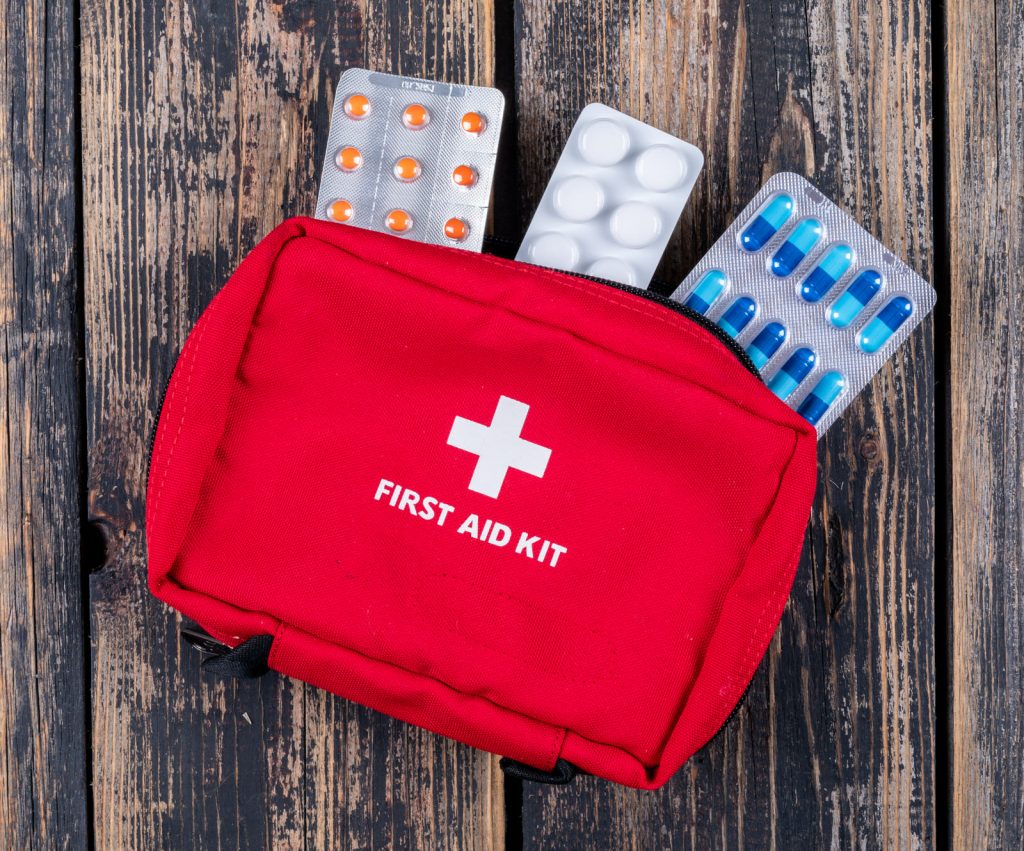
(759, 633)
(354, 651)
(184, 407)
(689, 328)
(757, 636)
(204, 321)
(651, 769)
(557, 746)
(275, 645)
(559, 732)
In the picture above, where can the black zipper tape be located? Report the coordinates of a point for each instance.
(503, 247)
(675, 307)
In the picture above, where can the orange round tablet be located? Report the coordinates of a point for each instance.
(407, 168)
(339, 211)
(398, 221)
(474, 123)
(416, 116)
(357, 106)
(456, 229)
(348, 158)
(464, 176)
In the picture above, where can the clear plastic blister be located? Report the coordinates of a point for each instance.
(411, 157)
(816, 301)
(613, 200)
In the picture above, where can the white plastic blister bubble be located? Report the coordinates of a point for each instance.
(815, 301)
(411, 157)
(613, 200)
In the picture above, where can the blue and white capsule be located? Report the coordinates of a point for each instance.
(801, 241)
(767, 342)
(708, 290)
(836, 263)
(737, 316)
(886, 322)
(768, 221)
(854, 298)
(796, 368)
(822, 397)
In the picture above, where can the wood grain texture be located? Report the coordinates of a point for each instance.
(42, 658)
(203, 127)
(985, 106)
(835, 744)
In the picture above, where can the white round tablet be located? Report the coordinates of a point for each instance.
(554, 249)
(578, 199)
(635, 225)
(613, 269)
(603, 142)
(659, 168)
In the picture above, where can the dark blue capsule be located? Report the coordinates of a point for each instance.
(821, 398)
(848, 306)
(766, 223)
(767, 342)
(793, 371)
(879, 330)
(708, 290)
(836, 262)
(796, 247)
(737, 316)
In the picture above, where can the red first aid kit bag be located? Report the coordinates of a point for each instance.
(533, 512)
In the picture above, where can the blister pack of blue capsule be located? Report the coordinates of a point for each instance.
(815, 301)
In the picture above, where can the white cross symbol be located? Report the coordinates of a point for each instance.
(499, 447)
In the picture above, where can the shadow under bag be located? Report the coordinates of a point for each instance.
(529, 511)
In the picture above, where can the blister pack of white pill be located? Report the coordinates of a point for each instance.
(613, 200)
(411, 157)
(816, 301)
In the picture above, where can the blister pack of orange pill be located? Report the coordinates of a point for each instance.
(411, 157)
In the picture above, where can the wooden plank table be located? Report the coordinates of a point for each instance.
(146, 147)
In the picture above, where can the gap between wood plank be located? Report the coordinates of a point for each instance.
(92, 544)
(941, 265)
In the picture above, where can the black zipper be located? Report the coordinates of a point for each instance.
(728, 718)
(159, 411)
(675, 307)
(647, 295)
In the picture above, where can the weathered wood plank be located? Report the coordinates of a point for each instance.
(203, 126)
(985, 106)
(835, 744)
(43, 801)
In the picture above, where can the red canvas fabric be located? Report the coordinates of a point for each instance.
(672, 489)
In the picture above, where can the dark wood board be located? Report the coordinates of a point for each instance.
(43, 744)
(985, 222)
(203, 126)
(836, 742)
